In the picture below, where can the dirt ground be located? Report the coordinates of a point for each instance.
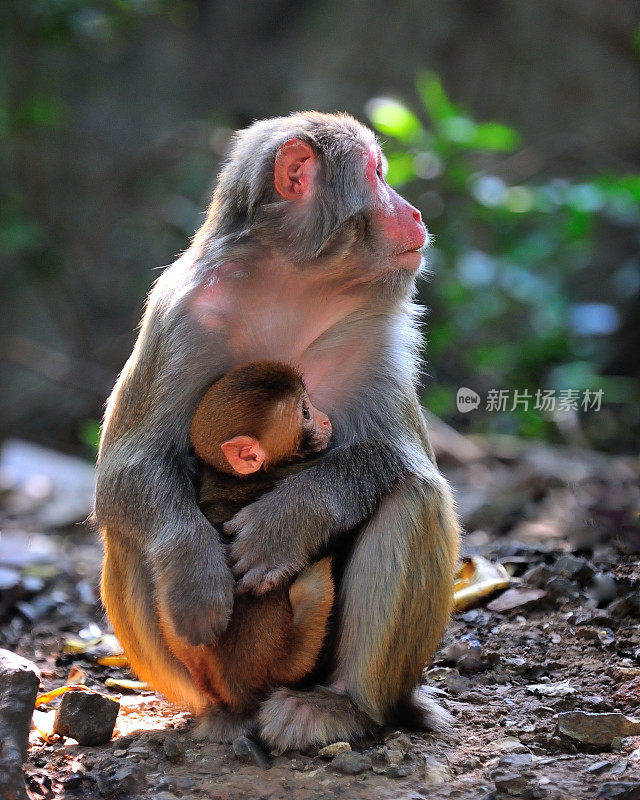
(563, 522)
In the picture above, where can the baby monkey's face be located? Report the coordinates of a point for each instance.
(316, 428)
(296, 430)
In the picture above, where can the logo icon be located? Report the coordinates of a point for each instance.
(467, 400)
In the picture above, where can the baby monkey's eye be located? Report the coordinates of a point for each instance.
(306, 411)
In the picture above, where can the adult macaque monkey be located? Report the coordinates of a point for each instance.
(306, 256)
(252, 427)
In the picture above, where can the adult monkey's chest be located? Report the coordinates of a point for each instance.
(301, 319)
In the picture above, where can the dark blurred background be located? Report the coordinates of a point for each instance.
(513, 125)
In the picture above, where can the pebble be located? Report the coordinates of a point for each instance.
(332, 750)
(513, 772)
(516, 598)
(537, 576)
(125, 779)
(394, 756)
(87, 717)
(435, 773)
(350, 763)
(457, 684)
(398, 771)
(574, 567)
(172, 749)
(247, 751)
(596, 728)
(466, 653)
(619, 790)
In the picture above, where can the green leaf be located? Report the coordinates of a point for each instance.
(89, 433)
(392, 118)
(495, 136)
(434, 97)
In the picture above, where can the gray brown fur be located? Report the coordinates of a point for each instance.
(379, 473)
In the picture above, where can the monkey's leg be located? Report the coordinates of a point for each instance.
(128, 597)
(396, 598)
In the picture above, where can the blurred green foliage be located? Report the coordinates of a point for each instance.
(508, 306)
(516, 249)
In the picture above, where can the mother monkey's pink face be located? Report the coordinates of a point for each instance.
(396, 231)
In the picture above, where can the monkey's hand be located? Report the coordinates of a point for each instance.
(262, 555)
(277, 535)
(195, 586)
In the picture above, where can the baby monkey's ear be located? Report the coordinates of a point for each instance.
(244, 454)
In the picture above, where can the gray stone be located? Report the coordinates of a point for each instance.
(172, 749)
(87, 717)
(350, 763)
(398, 770)
(129, 778)
(619, 790)
(19, 681)
(435, 773)
(247, 751)
(596, 728)
(574, 567)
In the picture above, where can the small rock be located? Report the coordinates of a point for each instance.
(537, 576)
(399, 741)
(574, 567)
(247, 751)
(165, 796)
(559, 587)
(457, 685)
(172, 749)
(513, 772)
(398, 771)
(466, 653)
(510, 782)
(87, 717)
(621, 608)
(124, 780)
(560, 689)
(604, 587)
(596, 728)
(435, 773)
(587, 634)
(518, 597)
(599, 766)
(394, 756)
(619, 790)
(332, 750)
(350, 763)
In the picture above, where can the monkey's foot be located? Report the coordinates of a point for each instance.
(420, 712)
(219, 724)
(291, 720)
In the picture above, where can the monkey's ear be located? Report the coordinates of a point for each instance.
(294, 169)
(244, 454)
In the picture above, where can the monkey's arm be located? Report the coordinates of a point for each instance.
(278, 534)
(145, 497)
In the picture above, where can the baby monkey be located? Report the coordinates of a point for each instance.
(252, 427)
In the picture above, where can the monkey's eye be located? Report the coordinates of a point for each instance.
(379, 170)
(306, 411)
